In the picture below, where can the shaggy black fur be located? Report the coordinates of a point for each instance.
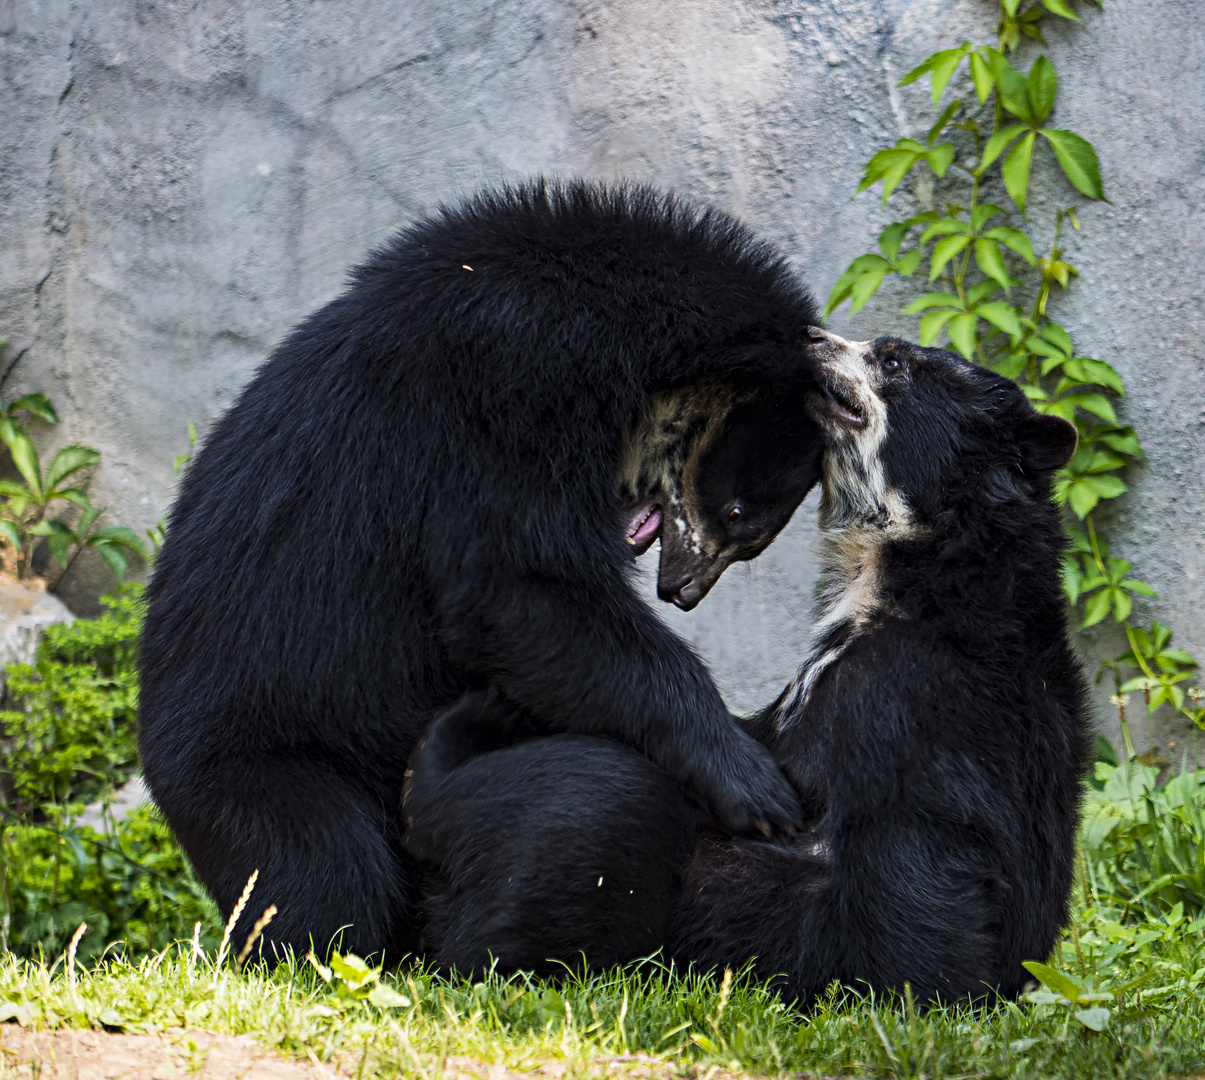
(571, 886)
(937, 728)
(416, 495)
(562, 883)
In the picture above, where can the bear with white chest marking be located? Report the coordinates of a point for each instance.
(936, 730)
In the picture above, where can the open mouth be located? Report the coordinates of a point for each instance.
(644, 526)
(841, 406)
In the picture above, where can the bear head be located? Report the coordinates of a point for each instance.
(716, 471)
(913, 435)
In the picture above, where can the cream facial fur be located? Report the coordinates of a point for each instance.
(859, 512)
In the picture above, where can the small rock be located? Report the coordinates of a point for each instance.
(126, 798)
(26, 609)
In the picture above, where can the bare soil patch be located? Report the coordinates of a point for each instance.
(177, 1055)
(99, 1055)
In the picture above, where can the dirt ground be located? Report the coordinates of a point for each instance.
(99, 1055)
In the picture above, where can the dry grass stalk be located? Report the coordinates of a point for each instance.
(260, 923)
(235, 915)
(80, 931)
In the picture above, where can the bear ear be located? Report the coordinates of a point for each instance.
(1047, 442)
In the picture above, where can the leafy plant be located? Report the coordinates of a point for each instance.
(70, 740)
(27, 503)
(979, 254)
(355, 982)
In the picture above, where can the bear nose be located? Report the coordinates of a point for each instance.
(684, 593)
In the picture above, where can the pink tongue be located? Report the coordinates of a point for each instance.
(647, 529)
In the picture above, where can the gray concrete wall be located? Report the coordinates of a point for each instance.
(182, 181)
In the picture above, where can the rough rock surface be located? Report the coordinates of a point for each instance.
(182, 181)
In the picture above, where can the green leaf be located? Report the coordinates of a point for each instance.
(940, 68)
(1059, 7)
(83, 527)
(1097, 1018)
(981, 76)
(1014, 240)
(68, 461)
(844, 284)
(991, 262)
(1078, 160)
(1096, 404)
(943, 251)
(961, 330)
(1002, 316)
(932, 300)
(947, 226)
(25, 457)
(931, 326)
(1096, 608)
(38, 404)
(1106, 486)
(940, 158)
(940, 124)
(114, 557)
(1053, 980)
(1014, 93)
(385, 997)
(864, 288)
(1081, 497)
(8, 531)
(981, 291)
(999, 141)
(123, 536)
(1122, 605)
(1087, 370)
(1141, 588)
(891, 238)
(1016, 169)
(893, 164)
(353, 970)
(59, 538)
(907, 265)
(72, 495)
(1058, 337)
(982, 214)
(1042, 85)
(1121, 439)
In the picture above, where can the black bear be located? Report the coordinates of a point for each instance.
(418, 494)
(937, 729)
(611, 899)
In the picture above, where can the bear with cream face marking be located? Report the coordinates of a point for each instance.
(416, 496)
(563, 884)
(936, 730)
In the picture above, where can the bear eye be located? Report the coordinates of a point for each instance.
(734, 515)
(891, 363)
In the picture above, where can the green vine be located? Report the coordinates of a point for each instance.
(986, 139)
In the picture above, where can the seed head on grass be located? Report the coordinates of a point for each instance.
(268, 915)
(235, 915)
(80, 931)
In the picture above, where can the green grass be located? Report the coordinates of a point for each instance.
(686, 1022)
(1123, 998)
(1124, 993)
